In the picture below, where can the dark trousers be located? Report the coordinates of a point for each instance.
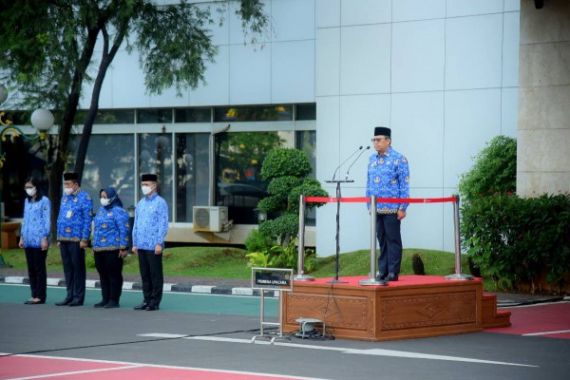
(36, 259)
(390, 239)
(110, 268)
(73, 259)
(152, 279)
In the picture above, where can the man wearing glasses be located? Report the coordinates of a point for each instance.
(388, 177)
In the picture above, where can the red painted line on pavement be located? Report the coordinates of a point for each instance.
(39, 367)
(539, 320)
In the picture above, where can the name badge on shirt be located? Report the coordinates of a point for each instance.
(69, 214)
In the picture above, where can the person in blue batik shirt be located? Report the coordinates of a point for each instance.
(73, 232)
(110, 241)
(388, 177)
(34, 238)
(149, 231)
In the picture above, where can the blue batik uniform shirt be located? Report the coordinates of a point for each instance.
(151, 223)
(36, 225)
(388, 177)
(75, 216)
(111, 229)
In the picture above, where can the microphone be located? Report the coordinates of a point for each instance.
(354, 162)
(348, 158)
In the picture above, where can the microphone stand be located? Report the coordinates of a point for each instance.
(337, 258)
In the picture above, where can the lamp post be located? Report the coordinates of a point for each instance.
(42, 120)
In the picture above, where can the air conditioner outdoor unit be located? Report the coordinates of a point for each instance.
(209, 218)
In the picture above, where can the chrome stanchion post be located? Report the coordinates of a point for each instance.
(301, 244)
(457, 275)
(371, 280)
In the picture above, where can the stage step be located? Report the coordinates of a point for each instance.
(491, 316)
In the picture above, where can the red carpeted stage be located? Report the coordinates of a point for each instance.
(413, 307)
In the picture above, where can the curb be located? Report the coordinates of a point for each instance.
(167, 287)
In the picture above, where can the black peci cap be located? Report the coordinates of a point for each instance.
(382, 131)
(149, 177)
(70, 176)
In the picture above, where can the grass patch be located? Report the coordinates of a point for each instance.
(230, 263)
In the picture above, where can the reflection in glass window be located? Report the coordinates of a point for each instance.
(155, 156)
(192, 168)
(307, 142)
(109, 162)
(110, 117)
(154, 115)
(252, 113)
(192, 115)
(306, 112)
(239, 157)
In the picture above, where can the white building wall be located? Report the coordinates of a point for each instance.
(278, 68)
(442, 74)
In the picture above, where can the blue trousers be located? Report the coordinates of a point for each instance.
(73, 259)
(390, 239)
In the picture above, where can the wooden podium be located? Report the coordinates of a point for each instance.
(413, 307)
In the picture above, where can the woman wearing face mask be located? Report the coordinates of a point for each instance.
(34, 239)
(110, 240)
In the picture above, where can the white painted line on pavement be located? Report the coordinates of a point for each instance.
(547, 333)
(374, 351)
(161, 335)
(202, 289)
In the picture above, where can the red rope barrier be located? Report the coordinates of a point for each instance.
(379, 200)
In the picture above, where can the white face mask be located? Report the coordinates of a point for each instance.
(68, 190)
(105, 202)
(146, 190)
(31, 191)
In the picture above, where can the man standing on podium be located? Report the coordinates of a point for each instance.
(388, 177)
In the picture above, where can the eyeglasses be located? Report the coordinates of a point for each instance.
(378, 139)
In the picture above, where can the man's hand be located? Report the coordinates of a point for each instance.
(44, 244)
(401, 214)
(21, 243)
(83, 244)
(134, 250)
(158, 249)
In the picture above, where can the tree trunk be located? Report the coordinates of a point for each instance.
(70, 109)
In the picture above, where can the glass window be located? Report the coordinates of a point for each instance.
(192, 170)
(109, 162)
(192, 115)
(307, 142)
(239, 157)
(261, 113)
(154, 115)
(111, 117)
(306, 112)
(155, 156)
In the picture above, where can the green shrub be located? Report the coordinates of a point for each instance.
(285, 162)
(279, 256)
(516, 240)
(282, 228)
(494, 171)
(256, 241)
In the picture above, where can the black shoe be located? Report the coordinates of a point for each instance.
(63, 303)
(75, 303)
(100, 304)
(381, 281)
(381, 277)
(111, 305)
(392, 277)
(152, 308)
(142, 306)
